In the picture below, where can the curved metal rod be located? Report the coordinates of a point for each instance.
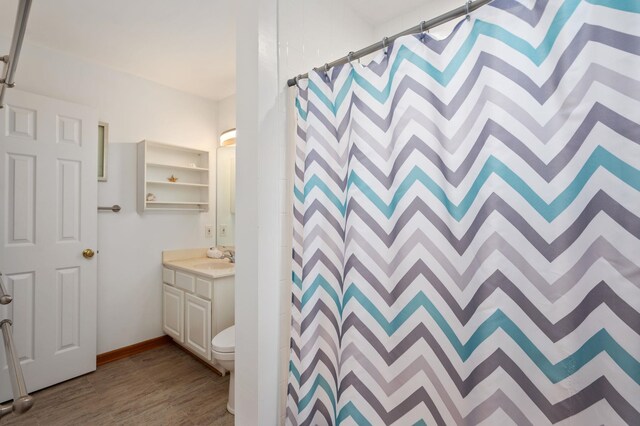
(22, 401)
(5, 297)
(11, 60)
(422, 27)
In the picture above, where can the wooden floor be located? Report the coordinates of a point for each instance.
(163, 386)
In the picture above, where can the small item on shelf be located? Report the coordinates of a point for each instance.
(172, 178)
(151, 196)
(192, 165)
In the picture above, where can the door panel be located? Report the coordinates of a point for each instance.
(48, 186)
(68, 312)
(20, 208)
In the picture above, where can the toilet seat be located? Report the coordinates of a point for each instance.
(225, 341)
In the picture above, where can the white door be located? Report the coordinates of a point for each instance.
(48, 215)
(172, 314)
(197, 330)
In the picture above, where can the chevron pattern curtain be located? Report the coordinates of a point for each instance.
(467, 225)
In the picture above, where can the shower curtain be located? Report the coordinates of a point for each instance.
(466, 239)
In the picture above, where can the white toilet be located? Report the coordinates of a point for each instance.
(223, 349)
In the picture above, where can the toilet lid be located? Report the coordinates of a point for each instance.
(225, 341)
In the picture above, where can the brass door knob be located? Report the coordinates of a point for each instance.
(87, 253)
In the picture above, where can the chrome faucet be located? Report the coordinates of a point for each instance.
(229, 254)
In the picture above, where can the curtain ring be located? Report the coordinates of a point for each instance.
(385, 44)
(468, 4)
(350, 57)
(422, 30)
(326, 71)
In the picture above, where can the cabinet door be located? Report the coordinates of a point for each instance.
(198, 325)
(172, 312)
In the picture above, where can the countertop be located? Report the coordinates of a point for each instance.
(203, 266)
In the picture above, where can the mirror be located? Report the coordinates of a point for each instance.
(226, 195)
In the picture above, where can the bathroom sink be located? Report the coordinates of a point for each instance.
(213, 264)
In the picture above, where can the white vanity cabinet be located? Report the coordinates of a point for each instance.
(196, 308)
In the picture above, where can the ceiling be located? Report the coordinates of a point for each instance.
(187, 45)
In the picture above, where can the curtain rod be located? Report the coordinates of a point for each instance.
(11, 60)
(420, 28)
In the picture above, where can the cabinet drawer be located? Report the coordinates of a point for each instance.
(168, 276)
(204, 288)
(186, 281)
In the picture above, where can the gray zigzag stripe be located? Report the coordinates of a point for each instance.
(599, 389)
(599, 249)
(319, 333)
(319, 408)
(320, 257)
(599, 295)
(601, 202)
(530, 16)
(594, 74)
(598, 114)
(498, 400)
(588, 33)
(417, 397)
(309, 318)
(330, 219)
(320, 357)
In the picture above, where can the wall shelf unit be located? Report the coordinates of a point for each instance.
(158, 163)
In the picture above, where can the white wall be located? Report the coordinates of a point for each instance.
(225, 195)
(130, 245)
(430, 10)
(227, 113)
(278, 39)
(226, 121)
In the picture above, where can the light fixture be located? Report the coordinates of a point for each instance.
(228, 137)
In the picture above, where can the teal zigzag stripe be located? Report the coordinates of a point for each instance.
(599, 342)
(322, 383)
(321, 282)
(537, 55)
(296, 280)
(549, 211)
(301, 111)
(294, 371)
(350, 410)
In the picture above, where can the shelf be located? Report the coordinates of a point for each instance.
(174, 148)
(158, 182)
(174, 166)
(174, 209)
(179, 203)
(156, 162)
